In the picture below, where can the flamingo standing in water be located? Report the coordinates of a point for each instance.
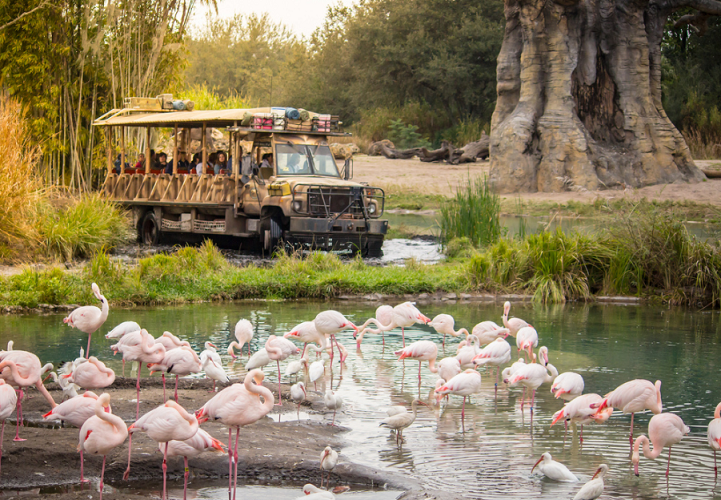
(329, 323)
(464, 384)
(581, 411)
(448, 368)
(496, 353)
(328, 461)
(488, 331)
(594, 488)
(404, 315)
(445, 324)
(122, 329)
(22, 369)
(399, 418)
(307, 333)
(568, 386)
(171, 342)
(244, 334)
(533, 375)
(168, 422)
(554, 470)
(212, 365)
(8, 400)
(527, 340)
(280, 349)
(634, 396)
(467, 350)
(714, 436)
(513, 324)
(88, 319)
(179, 361)
(664, 429)
(423, 350)
(141, 347)
(237, 406)
(384, 317)
(191, 448)
(101, 433)
(92, 374)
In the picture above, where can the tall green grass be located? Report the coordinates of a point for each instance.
(210, 98)
(473, 213)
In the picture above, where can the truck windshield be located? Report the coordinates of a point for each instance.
(302, 159)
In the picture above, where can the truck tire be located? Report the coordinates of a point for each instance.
(149, 230)
(273, 236)
(373, 249)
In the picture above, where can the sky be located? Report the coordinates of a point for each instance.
(300, 16)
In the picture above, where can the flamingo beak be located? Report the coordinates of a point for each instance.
(424, 319)
(68, 375)
(217, 445)
(558, 416)
(538, 462)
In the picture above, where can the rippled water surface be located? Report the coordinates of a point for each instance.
(492, 454)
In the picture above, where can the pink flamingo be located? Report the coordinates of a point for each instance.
(527, 340)
(101, 433)
(423, 350)
(122, 329)
(384, 316)
(244, 333)
(513, 324)
(329, 323)
(88, 319)
(488, 331)
(404, 315)
(467, 350)
(464, 384)
(191, 448)
(168, 422)
(634, 396)
(533, 375)
(496, 353)
(448, 368)
(22, 369)
(238, 406)
(91, 374)
(307, 333)
(171, 342)
(179, 361)
(581, 411)
(445, 324)
(8, 400)
(75, 411)
(664, 429)
(279, 349)
(714, 436)
(568, 386)
(141, 347)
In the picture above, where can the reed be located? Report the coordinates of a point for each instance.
(473, 213)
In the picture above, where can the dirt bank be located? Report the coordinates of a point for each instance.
(269, 452)
(437, 178)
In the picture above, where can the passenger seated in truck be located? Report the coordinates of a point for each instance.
(267, 161)
(183, 163)
(163, 164)
(140, 165)
(197, 164)
(117, 165)
(221, 164)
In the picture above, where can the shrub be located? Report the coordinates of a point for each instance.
(473, 213)
(406, 136)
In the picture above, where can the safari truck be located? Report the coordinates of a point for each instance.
(303, 199)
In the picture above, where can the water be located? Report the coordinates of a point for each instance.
(607, 344)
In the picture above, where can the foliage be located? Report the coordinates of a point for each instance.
(206, 98)
(406, 136)
(473, 213)
(467, 130)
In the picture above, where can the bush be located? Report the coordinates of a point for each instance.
(406, 136)
(473, 213)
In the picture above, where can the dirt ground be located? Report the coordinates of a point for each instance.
(439, 178)
(270, 453)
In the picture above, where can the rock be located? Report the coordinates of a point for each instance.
(343, 151)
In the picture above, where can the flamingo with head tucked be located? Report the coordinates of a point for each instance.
(280, 349)
(329, 323)
(88, 319)
(496, 353)
(122, 329)
(664, 429)
(445, 324)
(8, 400)
(581, 411)
(92, 374)
(423, 350)
(488, 331)
(568, 386)
(179, 361)
(464, 384)
(533, 375)
(714, 436)
(513, 324)
(171, 342)
(191, 448)
(244, 334)
(527, 340)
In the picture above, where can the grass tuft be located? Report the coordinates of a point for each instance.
(472, 213)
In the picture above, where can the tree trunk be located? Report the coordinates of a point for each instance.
(579, 97)
(473, 150)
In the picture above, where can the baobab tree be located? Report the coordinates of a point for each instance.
(579, 96)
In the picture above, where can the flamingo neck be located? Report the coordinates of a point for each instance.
(272, 349)
(17, 378)
(717, 413)
(259, 390)
(104, 309)
(554, 373)
(432, 366)
(462, 330)
(659, 404)
(647, 451)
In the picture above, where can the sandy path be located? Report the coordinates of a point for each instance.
(438, 178)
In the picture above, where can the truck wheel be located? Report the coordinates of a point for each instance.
(150, 230)
(373, 249)
(273, 236)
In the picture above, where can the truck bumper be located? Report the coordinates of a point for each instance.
(343, 234)
(340, 227)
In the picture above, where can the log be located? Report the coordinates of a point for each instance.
(473, 150)
(391, 153)
(443, 154)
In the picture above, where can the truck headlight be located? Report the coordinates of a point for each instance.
(372, 207)
(297, 205)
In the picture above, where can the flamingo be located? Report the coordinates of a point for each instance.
(298, 394)
(554, 470)
(139, 346)
(423, 350)
(594, 488)
(581, 411)
(513, 324)
(448, 368)
(467, 350)
(404, 315)
(664, 429)
(316, 371)
(714, 436)
(122, 329)
(384, 316)
(92, 374)
(496, 353)
(74, 411)
(307, 333)
(280, 349)
(488, 331)
(568, 386)
(212, 366)
(464, 384)
(533, 375)
(88, 319)
(22, 369)
(168, 422)
(510, 370)
(237, 406)
(444, 323)
(258, 360)
(244, 334)
(101, 433)
(329, 323)
(179, 361)
(171, 342)
(634, 396)
(328, 461)
(333, 402)
(8, 400)
(191, 448)
(527, 340)
(401, 419)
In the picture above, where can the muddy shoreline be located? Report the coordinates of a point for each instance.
(270, 453)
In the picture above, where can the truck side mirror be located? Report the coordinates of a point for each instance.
(348, 169)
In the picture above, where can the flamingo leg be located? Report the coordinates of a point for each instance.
(176, 388)
(630, 436)
(137, 400)
(581, 438)
(280, 400)
(523, 398)
(235, 455)
(298, 412)
(165, 471)
(87, 352)
(444, 341)
(715, 470)
(248, 349)
(2, 434)
(162, 375)
(533, 399)
(333, 422)
(383, 335)
(403, 333)
(230, 461)
(668, 464)
(126, 474)
(185, 478)
(123, 367)
(304, 346)
(102, 477)
(82, 461)
(419, 374)
(19, 419)
(565, 433)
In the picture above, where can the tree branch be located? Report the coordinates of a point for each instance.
(696, 21)
(709, 7)
(42, 4)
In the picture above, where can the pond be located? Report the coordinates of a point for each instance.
(491, 454)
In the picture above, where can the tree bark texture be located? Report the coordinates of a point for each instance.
(579, 97)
